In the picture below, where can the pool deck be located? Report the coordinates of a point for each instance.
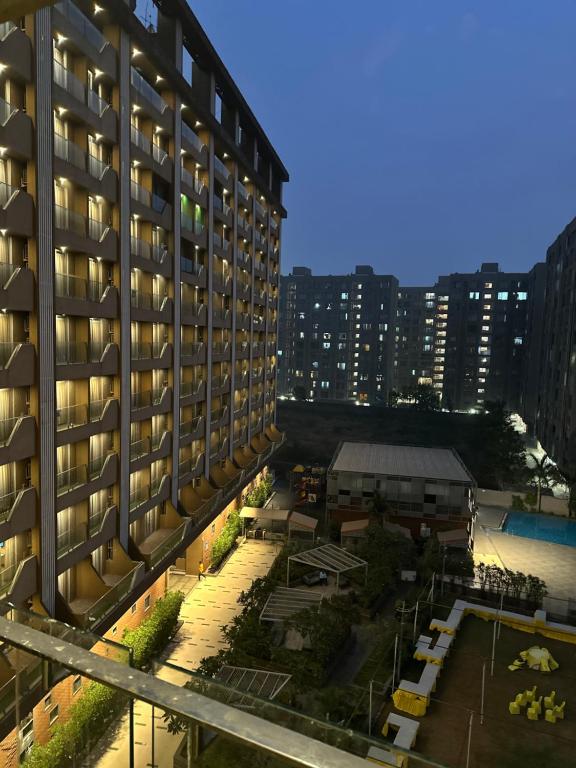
(554, 563)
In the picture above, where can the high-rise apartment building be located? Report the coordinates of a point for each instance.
(480, 337)
(337, 334)
(414, 351)
(551, 393)
(140, 218)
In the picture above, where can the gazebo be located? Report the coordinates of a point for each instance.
(272, 522)
(301, 523)
(330, 558)
(284, 603)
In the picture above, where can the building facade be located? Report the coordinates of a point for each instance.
(551, 394)
(422, 489)
(415, 336)
(140, 220)
(481, 337)
(337, 335)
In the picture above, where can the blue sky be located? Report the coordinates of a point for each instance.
(421, 137)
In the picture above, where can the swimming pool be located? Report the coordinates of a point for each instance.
(557, 530)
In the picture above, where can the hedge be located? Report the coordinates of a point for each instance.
(99, 705)
(226, 540)
(260, 494)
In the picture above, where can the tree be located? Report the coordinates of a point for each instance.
(393, 396)
(496, 448)
(379, 508)
(426, 398)
(299, 392)
(544, 474)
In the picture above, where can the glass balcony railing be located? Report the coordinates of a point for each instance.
(139, 139)
(71, 478)
(70, 286)
(71, 416)
(147, 90)
(69, 151)
(191, 387)
(220, 167)
(69, 539)
(7, 577)
(139, 448)
(139, 496)
(96, 103)
(191, 224)
(192, 137)
(97, 229)
(68, 81)
(165, 547)
(7, 349)
(191, 267)
(69, 220)
(96, 408)
(190, 465)
(140, 248)
(139, 193)
(96, 167)
(190, 348)
(261, 210)
(6, 110)
(5, 28)
(220, 381)
(191, 180)
(159, 204)
(87, 30)
(218, 415)
(191, 426)
(115, 595)
(144, 300)
(159, 154)
(243, 193)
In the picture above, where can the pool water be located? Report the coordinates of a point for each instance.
(557, 530)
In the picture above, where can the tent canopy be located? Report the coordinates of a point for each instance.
(303, 522)
(284, 602)
(264, 513)
(354, 527)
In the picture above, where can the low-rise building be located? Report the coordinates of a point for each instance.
(423, 489)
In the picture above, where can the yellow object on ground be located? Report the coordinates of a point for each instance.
(409, 702)
(539, 658)
(514, 708)
(530, 694)
(516, 664)
(549, 700)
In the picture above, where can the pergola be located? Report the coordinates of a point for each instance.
(256, 682)
(274, 520)
(284, 603)
(328, 557)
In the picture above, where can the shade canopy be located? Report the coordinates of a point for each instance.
(264, 513)
(329, 557)
(354, 527)
(303, 522)
(284, 603)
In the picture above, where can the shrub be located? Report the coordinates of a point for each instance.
(226, 539)
(259, 495)
(93, 711)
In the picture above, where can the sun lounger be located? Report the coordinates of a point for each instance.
(407, 730)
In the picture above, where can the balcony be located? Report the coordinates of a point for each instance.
(221, 318)
(147, 356)
(18, 511)
(81, 359)
(16, 129)
(147, 97)
(243, 290)
(258, 348)
(258, 322)
(87, 38)
(244, 261)
(150, 155)
(260, 298)
(219, 453)
(16, 52)
(150, 307)
(273, 278)
(222, 247)
(151, 402)
(192, 392)
(80, 539)
(273, 302)
(244, 228)
(261, 212)
(18, 582)
(150, 258)
(17, 438)
(84, 235)
(274, 226)
(17, 288)
(97, 596)
(16, 210)
(72, 94)
(189, 469)
(257, 375)
(193, 187)
(193, 429)
(240, 437)
(84, 170)
(193, 229)
(221, 172)
(243, 194)
(220, 351)
(219, 418)
(219, 385)
(275, 254)
(192, 272)
(242, 350)
(78, 483)
(164, 542)
(146, 497)
(260, 269)
(257, 401)
(243, 320)
(241, 409)
(192, 143)
(192, 353)
(80, 422)
(17, 364)
(242, 379)
(149, 449)
(271, 373)
(222, 210)
(193, 313)
(222, 283)
(84, 298)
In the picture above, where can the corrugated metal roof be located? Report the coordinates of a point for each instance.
(401, 460)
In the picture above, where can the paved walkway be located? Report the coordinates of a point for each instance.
(209, 605)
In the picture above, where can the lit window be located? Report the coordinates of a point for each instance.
(502, 295)
(518, 340)
(147, 602)
(521, 295)
(474, 295)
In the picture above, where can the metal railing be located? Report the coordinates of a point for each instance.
(72, 537)
(147, 90)
(139, 448)
(7, 349)
(87, 30)
(192, 137)
(6, 111)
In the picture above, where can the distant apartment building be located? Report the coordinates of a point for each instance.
(423, 489)
(551, 394)
(481, 337)
(336, 336)
(140, 219)
(414, 340)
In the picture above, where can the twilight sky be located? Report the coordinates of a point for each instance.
(421, 137)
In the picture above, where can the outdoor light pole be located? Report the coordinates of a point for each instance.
(370, 709)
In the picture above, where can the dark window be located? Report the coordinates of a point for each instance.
(429, 498)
